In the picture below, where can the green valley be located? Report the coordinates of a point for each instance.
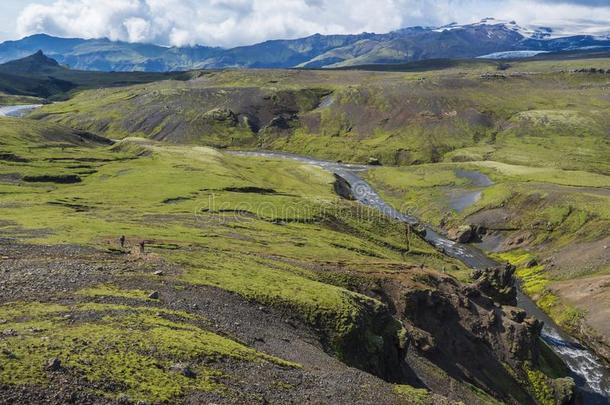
(144, 261)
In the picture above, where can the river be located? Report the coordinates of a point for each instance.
(591, 376)
(17, 110)
(461, 198)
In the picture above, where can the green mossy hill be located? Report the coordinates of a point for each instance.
(468, 113)
(18, 134)
(9, 99)
(271, 232)
(189, 112)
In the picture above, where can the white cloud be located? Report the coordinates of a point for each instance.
(239, 22)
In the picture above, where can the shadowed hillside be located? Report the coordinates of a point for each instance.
(40, 76)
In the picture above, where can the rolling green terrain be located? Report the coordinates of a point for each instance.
(232, 245)
(457, 114)
(255, 282)
(11, 99)
(538, 128)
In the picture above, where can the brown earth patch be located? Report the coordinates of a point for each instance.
(592, 294)
(586, 257)
(494, 219)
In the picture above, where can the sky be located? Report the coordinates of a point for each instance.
(229, 23)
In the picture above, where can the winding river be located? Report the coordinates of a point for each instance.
(591, 376)
(17, 110)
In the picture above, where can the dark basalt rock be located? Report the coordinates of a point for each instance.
(343, 188)
(53, 364)
(184, 369)
(465, 331)
(497, 283)
(222, 115)
(59, 179)
(462, 234)
(281, 122)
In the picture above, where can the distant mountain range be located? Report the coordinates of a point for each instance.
(488, 38)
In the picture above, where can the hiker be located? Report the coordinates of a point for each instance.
(122, 241)
(408, 236)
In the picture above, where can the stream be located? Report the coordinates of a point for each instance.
(588, 371)
(462, 198)
(17, 110)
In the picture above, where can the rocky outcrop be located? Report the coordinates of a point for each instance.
(497, 283)
(467, 233)
(374, 344)
(475, 318)
(563, 389)
(461, 329)
(221, 115)
(343, 188)
(461, 234)
(280, 123)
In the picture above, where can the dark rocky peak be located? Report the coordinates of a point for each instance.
(36, 63)
(41, 58)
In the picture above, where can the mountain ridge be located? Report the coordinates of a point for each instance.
(411, 44)
(38, 75)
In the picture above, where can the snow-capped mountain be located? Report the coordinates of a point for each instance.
(566, 29)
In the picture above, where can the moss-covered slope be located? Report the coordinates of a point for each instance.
(254, 283)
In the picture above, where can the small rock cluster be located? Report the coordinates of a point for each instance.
(591, 70)
(497, 283)
(465, 233)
